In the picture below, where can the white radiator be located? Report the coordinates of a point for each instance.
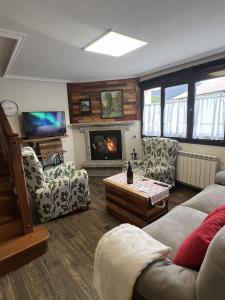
(195, 169)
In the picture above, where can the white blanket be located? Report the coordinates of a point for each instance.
(120, 256)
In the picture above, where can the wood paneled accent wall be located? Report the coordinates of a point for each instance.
(91, 90)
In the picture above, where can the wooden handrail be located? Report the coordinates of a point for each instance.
(5, 123)
(10, 149)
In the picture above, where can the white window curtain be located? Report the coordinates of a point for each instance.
(175, 118)
(151, 120)
(209, 116)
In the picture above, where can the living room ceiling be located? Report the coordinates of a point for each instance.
(176, 30)
(6, 49)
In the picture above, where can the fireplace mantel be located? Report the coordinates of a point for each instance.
(102, 124)
(87, 127)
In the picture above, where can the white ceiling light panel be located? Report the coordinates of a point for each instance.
(115, 44)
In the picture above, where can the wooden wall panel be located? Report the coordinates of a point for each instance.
(91, 90)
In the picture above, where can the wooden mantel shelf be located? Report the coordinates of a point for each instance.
(102, 124)
(43, 139)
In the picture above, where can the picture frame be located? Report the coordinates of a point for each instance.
(85, 106)
(111, 104)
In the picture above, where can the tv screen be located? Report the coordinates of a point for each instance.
(40, 123)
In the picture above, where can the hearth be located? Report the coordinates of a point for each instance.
(106, 145)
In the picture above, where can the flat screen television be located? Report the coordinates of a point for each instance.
(44, 123)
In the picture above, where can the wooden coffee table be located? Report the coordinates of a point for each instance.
(140, 203)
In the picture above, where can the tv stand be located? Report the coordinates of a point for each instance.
(45, 147)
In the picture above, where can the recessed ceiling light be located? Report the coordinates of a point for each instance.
(114, 44)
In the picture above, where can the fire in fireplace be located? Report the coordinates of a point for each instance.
(106, 145)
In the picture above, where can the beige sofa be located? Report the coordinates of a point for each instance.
(164, 280)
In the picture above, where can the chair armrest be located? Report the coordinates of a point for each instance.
(166, 281)
(59, 171)
(63, 195)
(164, 174)
(74, 178)
(135, 164)
(220, 178)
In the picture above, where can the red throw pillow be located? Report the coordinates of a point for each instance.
(213, 212)
(193, 249)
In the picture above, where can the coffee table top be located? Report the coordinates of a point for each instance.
(145, 187)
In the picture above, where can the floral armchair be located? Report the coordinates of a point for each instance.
(57, 191)
(159, 159)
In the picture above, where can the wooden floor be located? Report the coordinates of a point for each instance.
(66, 270)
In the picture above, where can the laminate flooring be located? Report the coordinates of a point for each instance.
(66, 270)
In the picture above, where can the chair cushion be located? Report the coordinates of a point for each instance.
(159, 151)
(193, 249)
(210, 198)
(173, 228)
(160, 158)
(166, 152)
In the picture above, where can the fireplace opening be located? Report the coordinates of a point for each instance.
(106, 145)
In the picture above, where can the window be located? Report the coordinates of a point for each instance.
(175, 111)
(209, 109)
(152, 112)
(188, 105)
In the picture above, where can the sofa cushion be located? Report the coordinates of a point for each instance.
(193, 249)
(173, 228)
(210, 198)
(220, 178)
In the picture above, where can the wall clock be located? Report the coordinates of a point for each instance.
(10, 107)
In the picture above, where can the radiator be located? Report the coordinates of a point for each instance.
(195, 169)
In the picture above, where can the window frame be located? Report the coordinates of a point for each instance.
(188, 76)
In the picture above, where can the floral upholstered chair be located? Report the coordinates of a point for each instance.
(57, 191)
(159, 160)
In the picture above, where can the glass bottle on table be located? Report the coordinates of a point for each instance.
(129, 174)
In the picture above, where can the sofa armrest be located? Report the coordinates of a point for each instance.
(220, 178)
(166, 281)
(210, 284)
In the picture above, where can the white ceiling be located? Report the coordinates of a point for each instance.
(176, 30)
(6, 49)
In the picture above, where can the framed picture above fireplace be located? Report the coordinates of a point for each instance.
(112, 104)
(85, 106)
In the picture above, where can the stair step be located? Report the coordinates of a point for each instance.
(5, 186)
(6, 218)
(9, 210)
(10, 230)
(20, 250)
(4, 169)
(5, 197)
(8, 193)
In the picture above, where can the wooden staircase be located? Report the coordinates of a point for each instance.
(19, 241)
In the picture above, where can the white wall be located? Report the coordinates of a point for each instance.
(209, 150)
(34, 96)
